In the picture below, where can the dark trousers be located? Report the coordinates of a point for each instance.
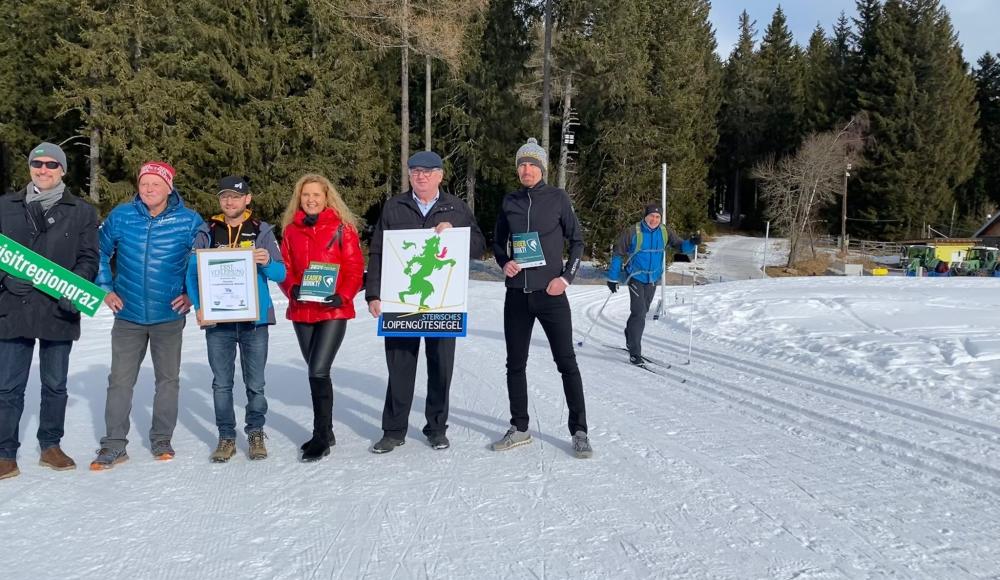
(319, 343)
(401, 358)
(53, 366)
(640, 297)
(520, 310)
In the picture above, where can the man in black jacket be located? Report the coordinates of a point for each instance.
(46, 218)
(424, 206)
(536, 221)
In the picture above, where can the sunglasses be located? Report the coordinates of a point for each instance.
(48, 164)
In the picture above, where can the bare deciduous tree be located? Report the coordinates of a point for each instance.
(796, 187)
(433, 28)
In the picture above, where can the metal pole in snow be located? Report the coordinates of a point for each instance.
(663, 276)
(767, 234)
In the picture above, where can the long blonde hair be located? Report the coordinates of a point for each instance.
(333, 200)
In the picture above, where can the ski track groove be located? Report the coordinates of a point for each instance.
(897, 448)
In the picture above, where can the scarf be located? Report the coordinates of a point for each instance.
(46, 197)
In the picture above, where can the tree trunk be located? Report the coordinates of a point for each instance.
(470, 181)
(404, 97)
(567, 114)
(95, 156)
(546, 77)
(427, 106)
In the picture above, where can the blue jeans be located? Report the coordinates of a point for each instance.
(15, 363)
(222, 341)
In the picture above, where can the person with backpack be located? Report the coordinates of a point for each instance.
(237, 227)
(319, 233)
(639, 251)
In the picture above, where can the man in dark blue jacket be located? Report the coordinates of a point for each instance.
(640, 248)
(53, 222)
(150, 238)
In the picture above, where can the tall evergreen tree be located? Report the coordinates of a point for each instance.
(685, 96)
(922, 108)
(819, 84)
(740, 119)
(844, 74)
(780, 62)
(31, 70)
(981, 195)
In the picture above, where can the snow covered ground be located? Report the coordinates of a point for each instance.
(823, 428)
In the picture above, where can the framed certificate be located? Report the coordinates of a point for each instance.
(227, 285)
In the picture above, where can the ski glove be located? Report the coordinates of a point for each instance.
(334, 300)
(67, 306)
(17, 286)
(613, 286)
(695, 239)
(295, 292)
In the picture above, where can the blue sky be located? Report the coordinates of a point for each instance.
(975, 20)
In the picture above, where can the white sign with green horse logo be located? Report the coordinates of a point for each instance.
(49, 277)
(425, 282)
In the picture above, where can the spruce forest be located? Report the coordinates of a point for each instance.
(348, 88)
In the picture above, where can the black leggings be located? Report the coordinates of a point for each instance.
(319, 343)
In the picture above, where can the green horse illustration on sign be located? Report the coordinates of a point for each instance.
(421, 266)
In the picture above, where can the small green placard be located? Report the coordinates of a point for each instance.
(49, 277)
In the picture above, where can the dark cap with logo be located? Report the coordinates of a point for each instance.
(653, 208)
(233, 183)
(425, 159)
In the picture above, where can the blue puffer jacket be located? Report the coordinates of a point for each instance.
(644, 264)
(151, 257)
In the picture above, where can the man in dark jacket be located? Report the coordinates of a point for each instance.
(425, 206)
(536, 221)
(48, 219)
(640, 251)
(150, 238)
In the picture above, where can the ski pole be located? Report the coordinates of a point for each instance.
(690, 324)
(594, 323)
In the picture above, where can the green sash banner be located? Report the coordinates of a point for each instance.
(49, 277)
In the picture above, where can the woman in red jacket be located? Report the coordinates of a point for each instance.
(318, 227)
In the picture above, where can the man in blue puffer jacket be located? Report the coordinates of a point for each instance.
(150, 239)
(640, 247)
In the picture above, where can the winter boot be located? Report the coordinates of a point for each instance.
(224, 451)
(108, 458)
(257, 448)
(315, 450)
(386, 444)
(636, 360)
(162, 450)
(511, 439)
(8, 468)
(54, 458)
(581, 446)
(438, 441)
(330, 437)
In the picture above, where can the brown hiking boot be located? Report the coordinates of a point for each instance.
(224, 451)
(55, 458)
(8, 468)
(257, 449)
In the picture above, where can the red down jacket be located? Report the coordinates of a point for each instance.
(332, 241)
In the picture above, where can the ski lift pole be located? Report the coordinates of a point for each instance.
(663, 218)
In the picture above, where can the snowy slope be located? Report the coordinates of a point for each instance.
(825, 428)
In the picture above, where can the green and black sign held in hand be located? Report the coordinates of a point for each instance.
(49, 277)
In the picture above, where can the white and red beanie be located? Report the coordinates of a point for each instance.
(160, 169)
